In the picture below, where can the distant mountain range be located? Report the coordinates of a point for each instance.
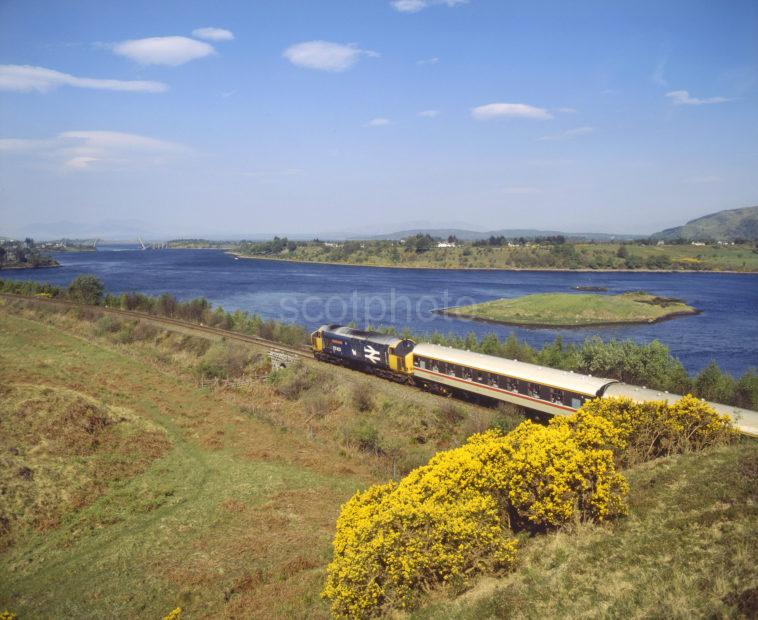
(722, 226)
(510, 233)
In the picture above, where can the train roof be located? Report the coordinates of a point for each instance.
(744, 419)
(562, 379)
(360, 334)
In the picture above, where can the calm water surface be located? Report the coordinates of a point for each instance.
(726, 330)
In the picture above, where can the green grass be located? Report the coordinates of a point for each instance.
(573, 309)
(686, 550)
(585, 256)
(235, 515)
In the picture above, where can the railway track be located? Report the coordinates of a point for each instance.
(303, 351)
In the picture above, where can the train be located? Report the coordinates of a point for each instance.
(454, 372)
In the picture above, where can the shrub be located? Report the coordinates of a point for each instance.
(447, 521)
(223, 360)
(363, 397)
(392, 544)
(643, 431)
(86, 290)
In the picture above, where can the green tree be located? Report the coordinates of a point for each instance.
(712, 384)
(86, 290)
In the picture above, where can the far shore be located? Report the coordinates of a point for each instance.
(537, 269)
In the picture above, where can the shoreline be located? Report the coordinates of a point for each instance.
(472, 317)
(525, 269)
(20, 267)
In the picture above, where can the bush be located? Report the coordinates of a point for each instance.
(448, 520)
(223, 360)
(363, 397)
(638, 432)
(86, 290)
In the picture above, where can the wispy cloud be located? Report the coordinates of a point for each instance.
(26, 78)
(568, 134)
(427, 61)
(429, 113)
(414, 6)
(659, 73)
(509, 110)
(171, 51)
(567, 110)
(213, 34)
(325, 55)
(379, 121)
(682, 97)
(86, 149)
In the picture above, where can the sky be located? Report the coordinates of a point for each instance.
(190, 118)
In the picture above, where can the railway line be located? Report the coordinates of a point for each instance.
(748, 426)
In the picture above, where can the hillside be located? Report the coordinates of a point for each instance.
(684, 551)
(722, 226)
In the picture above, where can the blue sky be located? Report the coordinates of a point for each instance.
(304, 117)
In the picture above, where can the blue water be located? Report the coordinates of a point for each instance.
(725, 331)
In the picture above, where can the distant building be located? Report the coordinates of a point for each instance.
(445, 244)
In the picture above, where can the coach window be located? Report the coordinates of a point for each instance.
(576, 401)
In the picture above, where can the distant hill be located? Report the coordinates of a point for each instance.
(510, 233)
(722, 226)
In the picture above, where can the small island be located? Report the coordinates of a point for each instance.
(575, 309)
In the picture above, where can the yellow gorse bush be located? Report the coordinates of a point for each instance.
(452, 518)
(645, 431)
(7, 615)
(449, 520)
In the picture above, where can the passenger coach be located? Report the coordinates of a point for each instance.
(536, 387)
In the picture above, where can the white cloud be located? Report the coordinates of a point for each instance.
(26, 78)
(325, 55)
(85, 150)
(429, 113)
(213, 34)
(682, 97)
(509, 110)
(569, 133)
(379, 122)
(414, 6)
(427, 61)
(170, 51)
(80, 163)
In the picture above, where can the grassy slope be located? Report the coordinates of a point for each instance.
(572, 309)
(236, 518)
(686, 550)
